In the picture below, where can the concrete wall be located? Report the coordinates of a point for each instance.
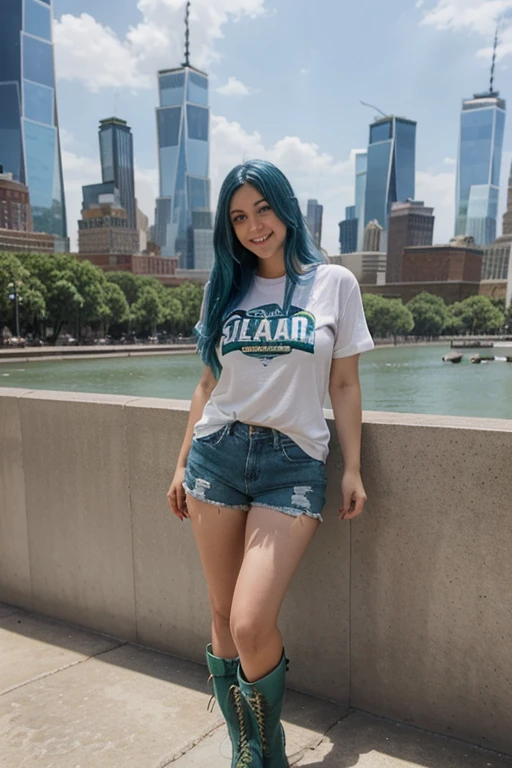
(405, 612)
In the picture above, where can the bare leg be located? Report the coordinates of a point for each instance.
(274, 546)
(219, 533)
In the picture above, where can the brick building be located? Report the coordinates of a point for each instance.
(458, 261)
(410, 224)
(104, 229)
(15, 212)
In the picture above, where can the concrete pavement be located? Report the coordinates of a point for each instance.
(71, 698)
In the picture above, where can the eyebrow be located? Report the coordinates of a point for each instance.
(237, 210)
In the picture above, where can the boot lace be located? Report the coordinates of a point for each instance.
(258, 705)
(245, 755)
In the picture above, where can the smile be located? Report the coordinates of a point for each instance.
(259, 240)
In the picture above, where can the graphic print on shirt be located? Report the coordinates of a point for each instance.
(267, 332)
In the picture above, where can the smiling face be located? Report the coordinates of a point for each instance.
(256, 225)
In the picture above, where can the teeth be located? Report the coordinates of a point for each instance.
(260, 239)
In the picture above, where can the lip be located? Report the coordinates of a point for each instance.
(253, 242)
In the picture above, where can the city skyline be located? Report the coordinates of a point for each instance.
(29, 127)
(316, 154)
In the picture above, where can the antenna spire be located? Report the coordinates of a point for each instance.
(493, 65)
(186, 63)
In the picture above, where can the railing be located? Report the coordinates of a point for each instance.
(404, 612)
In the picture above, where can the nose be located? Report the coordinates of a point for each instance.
(255, 225)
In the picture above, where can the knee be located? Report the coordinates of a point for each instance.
(249, 632)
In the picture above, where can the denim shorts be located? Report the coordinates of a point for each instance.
(242, 465)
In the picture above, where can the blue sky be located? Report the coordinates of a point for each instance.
(286, 77)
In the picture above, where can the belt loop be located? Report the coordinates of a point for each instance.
(275, 434)
(231, 427)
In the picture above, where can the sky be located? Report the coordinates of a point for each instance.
(286, 81)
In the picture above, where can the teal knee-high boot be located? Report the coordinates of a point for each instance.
(242, 732)
(265, 699)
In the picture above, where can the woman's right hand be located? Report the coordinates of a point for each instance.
(176, 495)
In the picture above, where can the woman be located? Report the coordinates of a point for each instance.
(279, 328)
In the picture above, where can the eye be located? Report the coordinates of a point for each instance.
(264, 209)
(238, 218)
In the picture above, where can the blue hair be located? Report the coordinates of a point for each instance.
(234, 265)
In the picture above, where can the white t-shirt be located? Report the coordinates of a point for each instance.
(275, 367)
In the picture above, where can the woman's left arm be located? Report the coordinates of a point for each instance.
(345, 395)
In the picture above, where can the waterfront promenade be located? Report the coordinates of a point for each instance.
(72, 698)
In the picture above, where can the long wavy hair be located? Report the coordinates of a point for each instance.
(234, 265)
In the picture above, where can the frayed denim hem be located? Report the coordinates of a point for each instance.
(291, 511)
(242, 507)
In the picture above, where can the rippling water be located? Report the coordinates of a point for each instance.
(410, 379)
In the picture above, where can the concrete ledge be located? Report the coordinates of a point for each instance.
(402, 613)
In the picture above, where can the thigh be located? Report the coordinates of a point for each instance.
(274, 546)
(219, 533)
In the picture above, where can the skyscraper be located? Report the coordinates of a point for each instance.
(314, 217)
(410, 223)
(117, 166)
(29, 132)
(391, 168)
(360, 192)
(348, 231)
(482, 125)
(497, 261)
(183, 219)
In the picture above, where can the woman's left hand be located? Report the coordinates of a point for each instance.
(353, 494)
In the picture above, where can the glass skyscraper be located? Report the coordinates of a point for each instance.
(391, 168)
(482, 126)
(117, 166)
(29, 132)
(183, 220)
(361, 169)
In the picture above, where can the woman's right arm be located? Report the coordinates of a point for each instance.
(176, 493)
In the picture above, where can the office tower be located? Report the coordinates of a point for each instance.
(15, 210)
(314, 217)
(368, 268)
(482, 125)
(104, 227)
(497, 261)
(183, 219)
(391, 168)
(348, 231)
(360, 192)
(142, 228)
(410, 223)
(29, 131)
(372, 237)
(117, 165)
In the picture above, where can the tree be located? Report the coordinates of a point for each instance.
(478, 315)
(30, 292)
(147, 311)
(386, 317)
(429, 313)
(118, 307)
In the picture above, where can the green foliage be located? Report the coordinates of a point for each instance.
(478, 315)
(72, 294)
(430, 314)
(386, 317)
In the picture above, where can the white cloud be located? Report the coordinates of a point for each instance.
(233, 87)
(93, 53)
(437, 190)
(449, 161)
(312, 173)
(419, 3)
(304, 71)
(477, 16)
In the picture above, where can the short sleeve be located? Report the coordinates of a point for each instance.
(352, 334)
